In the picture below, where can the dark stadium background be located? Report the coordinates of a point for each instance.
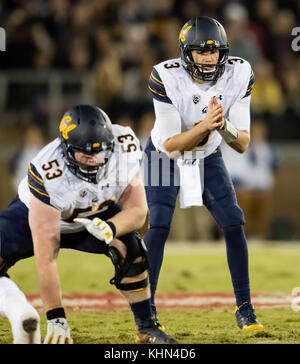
(63, 52)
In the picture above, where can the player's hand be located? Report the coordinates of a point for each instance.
(58, 332)
(214, 119)
(98, 228)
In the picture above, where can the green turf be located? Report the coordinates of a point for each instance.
(186, 268)
(188, 326)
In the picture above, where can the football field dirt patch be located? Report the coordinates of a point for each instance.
(113, 300)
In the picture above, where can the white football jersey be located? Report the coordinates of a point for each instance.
(50, 180)
(170, 83)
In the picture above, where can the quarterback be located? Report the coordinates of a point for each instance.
(200, 99)
(83, 191)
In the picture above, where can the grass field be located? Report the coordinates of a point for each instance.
(187, 268)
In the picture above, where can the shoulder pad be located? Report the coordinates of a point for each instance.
(157, 88)
(243, 73)
(126, 139)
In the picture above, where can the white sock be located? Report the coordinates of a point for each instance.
(14, 306)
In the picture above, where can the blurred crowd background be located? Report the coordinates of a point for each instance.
(64, 52)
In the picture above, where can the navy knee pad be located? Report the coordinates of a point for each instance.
(135, 249)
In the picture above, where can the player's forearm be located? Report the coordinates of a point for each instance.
(46, 248)
(44, 221)
(242, 142)
(49, 283)
(185, 141)
(129, 220)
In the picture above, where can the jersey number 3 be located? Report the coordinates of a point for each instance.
(171, 65)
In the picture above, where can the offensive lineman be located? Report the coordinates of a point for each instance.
(83, 191)
(200, 98)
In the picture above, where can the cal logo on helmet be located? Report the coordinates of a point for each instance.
(65, 127)
(183, 32)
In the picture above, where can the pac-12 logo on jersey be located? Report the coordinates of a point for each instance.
(196, 99)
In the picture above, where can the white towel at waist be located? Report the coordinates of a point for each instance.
(190, 181)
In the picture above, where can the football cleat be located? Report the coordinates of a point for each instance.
(159, 325)
(155, 320)
(153, 335)
(246, 318)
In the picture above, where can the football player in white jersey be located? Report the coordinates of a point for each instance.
(200, 99)
(83, 191)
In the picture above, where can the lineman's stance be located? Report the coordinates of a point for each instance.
(91, 171)
(199, 99)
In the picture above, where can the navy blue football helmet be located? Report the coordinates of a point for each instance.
(203, 33)
(86, 129)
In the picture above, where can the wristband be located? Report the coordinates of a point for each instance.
(113, 227)
(55, 313)
(229, 132)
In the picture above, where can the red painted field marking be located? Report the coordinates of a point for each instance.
(114, 300)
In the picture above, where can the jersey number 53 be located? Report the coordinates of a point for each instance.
(52, 167)
(126, 143)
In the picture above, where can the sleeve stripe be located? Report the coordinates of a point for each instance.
(156, 75)
(155, 82)
(34, 175)
(35, 189)
(250, 85)
(44, 197)
(36, 185)
(156, 79)
(156, 92)
(157, 87)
